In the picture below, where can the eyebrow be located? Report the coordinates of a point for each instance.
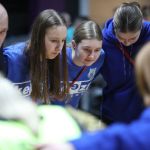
(55, 38)
(125, 39)
(91, 47)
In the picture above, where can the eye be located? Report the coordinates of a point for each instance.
(63, 41)
(3, 32)
(54, 41)
(132, 39)
(86, 50)
(97, 50)
(121, 39)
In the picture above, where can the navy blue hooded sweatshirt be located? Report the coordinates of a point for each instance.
(122, 101)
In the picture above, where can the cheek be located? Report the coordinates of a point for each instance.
(48, 45)
(2, 36)
(135, 40)
(61, 47)
(82, 55)
(97, 55)
(121, 41)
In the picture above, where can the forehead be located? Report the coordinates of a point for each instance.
(3, 22)
(56, 31)
(3, 11)
(91, 43)
(128, 34)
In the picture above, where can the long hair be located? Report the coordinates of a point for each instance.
(128, 18)
(46, 75)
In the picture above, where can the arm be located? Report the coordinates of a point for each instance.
(117, 137)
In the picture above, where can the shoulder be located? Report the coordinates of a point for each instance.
(146, 23)
(14, 51)
(69, 51)
(102, 53)
(108, 23)
(145, 33)
(102, 56)
(109, 37)
(146, 26)
(100, 60)
(16, 48)
(146, 113)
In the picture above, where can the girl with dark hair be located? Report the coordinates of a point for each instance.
(38, 62)
(85, 57)
(123, 35)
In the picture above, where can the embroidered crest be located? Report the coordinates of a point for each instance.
(91, 73)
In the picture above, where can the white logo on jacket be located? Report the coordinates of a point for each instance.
(24, 87)
(83, 85)
(91, 73)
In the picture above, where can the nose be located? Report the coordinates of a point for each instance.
(126, 42)
(92, 54)
(58, 46)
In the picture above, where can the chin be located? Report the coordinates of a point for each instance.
(52, 57)
(88, 64)
(128, 44)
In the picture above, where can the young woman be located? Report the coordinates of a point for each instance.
(120, 136)
(37, 62)
(85, 58)
(122, 38)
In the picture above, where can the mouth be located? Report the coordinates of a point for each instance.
(52, 55)
(55, 53)
(87, 60)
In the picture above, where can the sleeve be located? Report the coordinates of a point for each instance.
(117, 137)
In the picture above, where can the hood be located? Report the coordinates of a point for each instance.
(108, 31)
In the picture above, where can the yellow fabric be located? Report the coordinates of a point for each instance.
(15, 136)
(56, 125)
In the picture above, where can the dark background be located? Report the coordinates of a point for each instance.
(23, 12)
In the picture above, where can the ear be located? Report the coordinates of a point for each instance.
(74, 45)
